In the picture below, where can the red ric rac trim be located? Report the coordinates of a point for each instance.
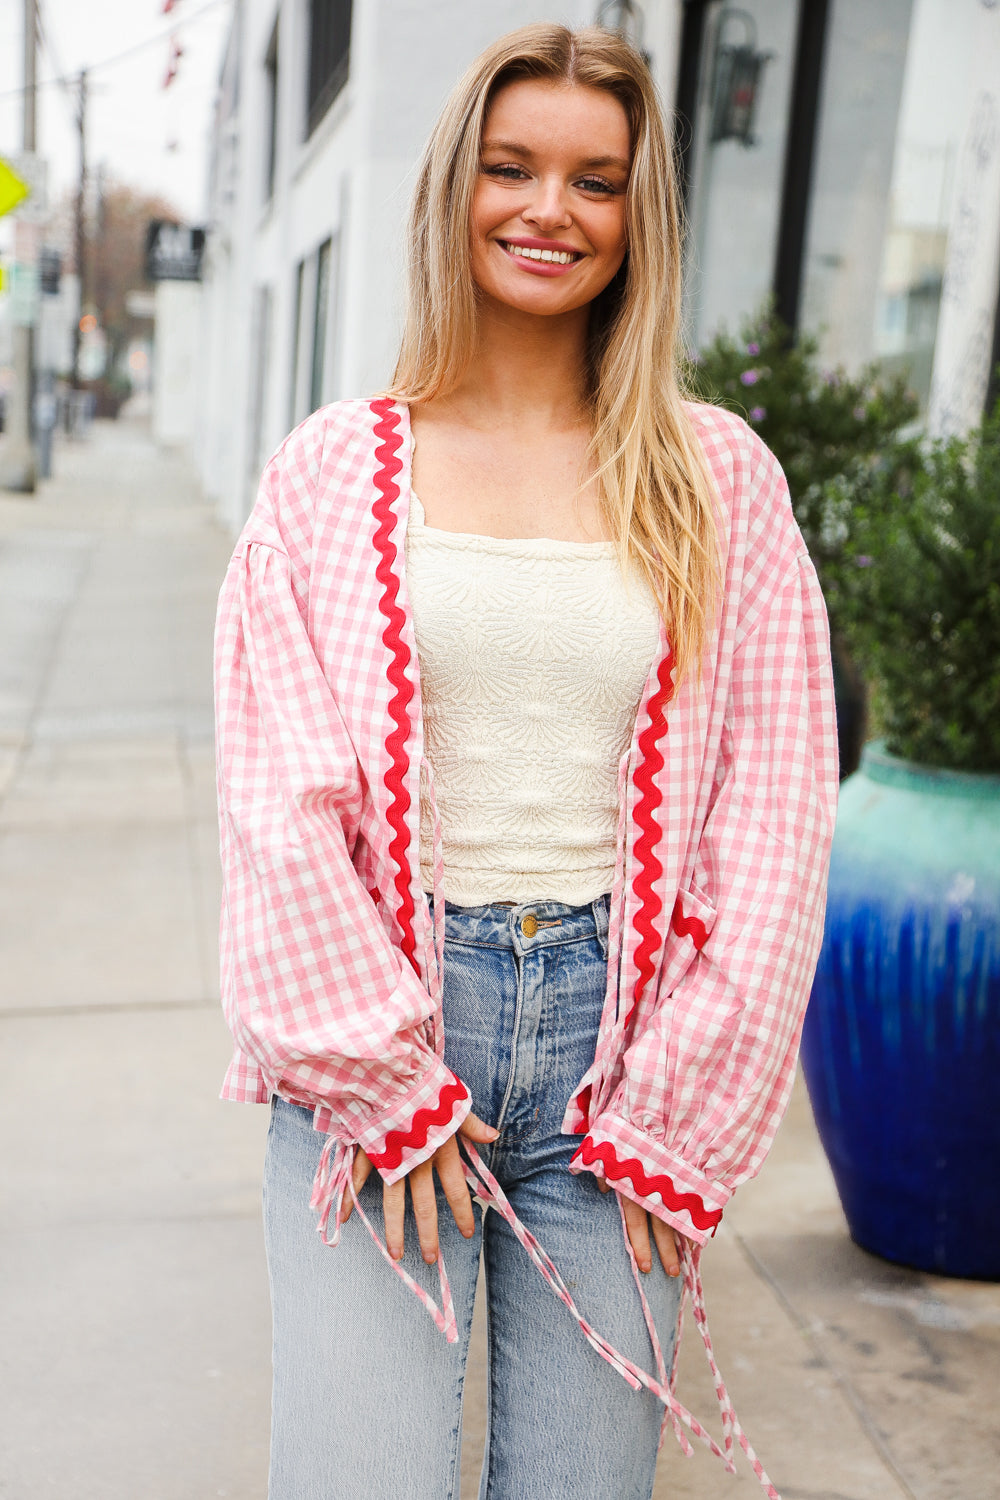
(692, 927)
(389, 465)
(414, 1139)
(583, 1105)
(614, 1170)
(650, 796)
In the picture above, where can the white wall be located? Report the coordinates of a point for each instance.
(176, 346)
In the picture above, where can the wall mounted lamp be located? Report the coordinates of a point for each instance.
(737, 74)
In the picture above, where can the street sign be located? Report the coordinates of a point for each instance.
(173, 251)
(24, 291)
(13, 190)
(33, 170)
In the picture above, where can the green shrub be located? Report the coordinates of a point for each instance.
(826, 429)
(922, 612)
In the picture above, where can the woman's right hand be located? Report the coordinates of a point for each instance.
(447, 1163)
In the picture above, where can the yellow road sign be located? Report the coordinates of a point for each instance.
(12, 189)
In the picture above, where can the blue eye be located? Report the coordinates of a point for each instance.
(596, 185)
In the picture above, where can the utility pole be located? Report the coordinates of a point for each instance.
(80, 226)
(19, 459)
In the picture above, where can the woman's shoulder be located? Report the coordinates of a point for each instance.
(323, 467)
(328, 432)
(748, 477)
(730, 444)
(758, 516)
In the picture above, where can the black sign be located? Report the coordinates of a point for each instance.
(49, 272)
(173, 251)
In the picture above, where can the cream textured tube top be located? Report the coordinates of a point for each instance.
(533, 657)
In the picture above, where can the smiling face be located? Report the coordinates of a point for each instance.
(548, 214)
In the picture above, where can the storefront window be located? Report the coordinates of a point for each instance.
(890, 232)
(894, 115)
(741, 119)
(920, 201)
(849, 211)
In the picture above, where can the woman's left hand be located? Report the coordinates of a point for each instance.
(637, 1222)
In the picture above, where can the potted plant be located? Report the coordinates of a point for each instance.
(826, 428)
(901, 1047)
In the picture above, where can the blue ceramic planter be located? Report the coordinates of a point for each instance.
(901, 1047)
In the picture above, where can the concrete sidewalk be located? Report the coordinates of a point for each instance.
(134, 1337)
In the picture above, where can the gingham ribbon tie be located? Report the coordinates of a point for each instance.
(335, 1178)
(489, 1192)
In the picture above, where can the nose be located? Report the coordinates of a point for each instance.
(548, 208)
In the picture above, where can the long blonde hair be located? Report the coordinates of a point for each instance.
(656, 493)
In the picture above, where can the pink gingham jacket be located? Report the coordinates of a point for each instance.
(330, 965)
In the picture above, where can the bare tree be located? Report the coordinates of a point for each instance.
(114, 258)
(116, 254)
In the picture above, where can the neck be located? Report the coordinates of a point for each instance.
(525, 370)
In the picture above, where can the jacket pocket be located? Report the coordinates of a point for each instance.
(693, 916)
(691, 923)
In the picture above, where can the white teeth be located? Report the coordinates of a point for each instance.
(558, 257)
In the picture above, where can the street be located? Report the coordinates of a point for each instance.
(134, 1349)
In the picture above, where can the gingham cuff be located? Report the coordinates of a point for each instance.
(642, 1168)
(422, 1121)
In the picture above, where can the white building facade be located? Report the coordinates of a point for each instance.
(839, 157)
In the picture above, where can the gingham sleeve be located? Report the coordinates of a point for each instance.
(314, 991)
(707, 1077)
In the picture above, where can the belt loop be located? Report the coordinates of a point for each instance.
(600, 910)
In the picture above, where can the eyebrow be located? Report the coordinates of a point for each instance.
(516, 148)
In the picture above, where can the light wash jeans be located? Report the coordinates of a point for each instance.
(367, 1392)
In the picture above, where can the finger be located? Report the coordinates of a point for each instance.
(424, 1202)
(666, 1244)
(394, 1209)
(637, 1224)
(448, 1165)
(359, 1176)
(475, 1129)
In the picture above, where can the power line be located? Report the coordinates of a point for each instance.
(68, 92)
(117, 57)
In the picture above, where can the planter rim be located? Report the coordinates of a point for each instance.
(891, 770)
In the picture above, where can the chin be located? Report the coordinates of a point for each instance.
(543, 300)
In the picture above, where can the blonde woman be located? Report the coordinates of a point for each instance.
(527, 772)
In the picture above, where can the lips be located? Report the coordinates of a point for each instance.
(542, 252)
(546, 258)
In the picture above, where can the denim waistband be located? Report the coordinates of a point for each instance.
(528, 925)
